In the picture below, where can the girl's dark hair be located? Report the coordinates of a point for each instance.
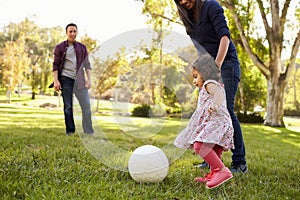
(206, 66)
(71, 24)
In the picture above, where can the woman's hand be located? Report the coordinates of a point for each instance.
(219, 64)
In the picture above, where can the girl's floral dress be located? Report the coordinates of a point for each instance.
(215, 127)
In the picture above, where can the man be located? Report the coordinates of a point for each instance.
(70, 60)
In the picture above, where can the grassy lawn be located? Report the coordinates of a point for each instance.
(38, 161)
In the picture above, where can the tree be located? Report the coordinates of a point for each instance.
(39, 51)
(14, 61)
(252, 90)
(275, 22)
(90, 44)
(39, 45)
(50, 37)
(163, 10)
(159, 25)
(106, 72)
(292, 103)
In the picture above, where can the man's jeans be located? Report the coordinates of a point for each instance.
(68, 88)
(230, 71)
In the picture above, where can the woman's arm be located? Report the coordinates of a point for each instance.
(223, 48)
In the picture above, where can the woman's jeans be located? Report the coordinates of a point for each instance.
(69, 86)
(230, 72)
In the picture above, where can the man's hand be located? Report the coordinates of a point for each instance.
(57, 85)
(88, 84)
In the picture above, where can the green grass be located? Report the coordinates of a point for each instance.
(38, 161)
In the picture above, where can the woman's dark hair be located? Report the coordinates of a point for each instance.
(71, 24)
(187, 15)
(206, 66)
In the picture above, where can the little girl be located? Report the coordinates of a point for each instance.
(209, 131)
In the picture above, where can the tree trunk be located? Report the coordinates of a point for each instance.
(274, 111)
(59, 99)
(295, 90)
(8, 96)
(98, 102)
(243, 103)
(33, 95)
(19, 89)
(33, 85)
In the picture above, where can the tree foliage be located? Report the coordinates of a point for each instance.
(38, 49)
(14, 61)
(106, 72)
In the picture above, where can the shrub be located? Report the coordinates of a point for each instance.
(250, 118)
(290, 112)
(141, 111)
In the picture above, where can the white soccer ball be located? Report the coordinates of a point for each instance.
(149, 164)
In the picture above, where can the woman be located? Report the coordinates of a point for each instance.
(206, 25)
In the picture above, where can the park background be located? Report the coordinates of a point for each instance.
(31, 113)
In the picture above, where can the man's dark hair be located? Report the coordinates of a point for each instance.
(71, 24)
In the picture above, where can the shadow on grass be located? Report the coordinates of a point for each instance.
(273, 134)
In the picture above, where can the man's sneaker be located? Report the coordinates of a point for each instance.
(70, 133)
(204, 165)
(239, 168)
(219, 176)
